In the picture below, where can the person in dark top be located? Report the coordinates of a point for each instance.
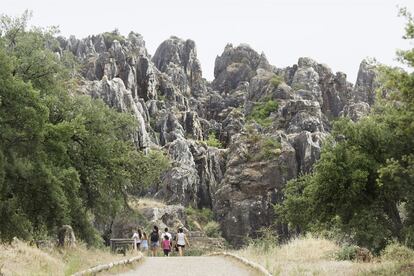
(155, 240)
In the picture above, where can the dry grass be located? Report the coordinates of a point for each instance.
(22, 259)
(144, 202)
(306, 256)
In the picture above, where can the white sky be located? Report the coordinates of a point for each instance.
(339, 33)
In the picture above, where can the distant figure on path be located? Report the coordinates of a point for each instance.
(137, 237)
(181, 241)
(166, 233)
(144, 242)
(166, 245)
(155, 240)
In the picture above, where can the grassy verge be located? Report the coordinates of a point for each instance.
(308, 256)
(22, 259)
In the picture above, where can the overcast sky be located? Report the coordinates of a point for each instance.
(339, 33)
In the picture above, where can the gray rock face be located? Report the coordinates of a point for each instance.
(176, 110)
(114, 93)
(356, 111)
(251, 184)
(366, 84)
(171, 216)
(180, 184)
(308, 148)
(236, 65)
(178, 59)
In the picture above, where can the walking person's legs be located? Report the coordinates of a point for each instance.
(154, 248)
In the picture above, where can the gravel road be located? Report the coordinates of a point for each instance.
(190, 266)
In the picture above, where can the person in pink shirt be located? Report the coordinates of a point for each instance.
(166, 245)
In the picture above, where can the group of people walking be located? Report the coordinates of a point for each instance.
(164, 240)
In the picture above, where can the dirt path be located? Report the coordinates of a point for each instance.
(190, 266)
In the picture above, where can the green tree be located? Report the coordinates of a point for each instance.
(363, 183)
(64, 158)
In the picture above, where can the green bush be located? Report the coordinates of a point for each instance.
(397, 252)
(212, 229)
(270, 148)
(262, 111)
(109, 37)
(212, 141)
(276, 80)
(347, 253)
(198, 217)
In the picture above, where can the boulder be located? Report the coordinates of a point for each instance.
(66, 236)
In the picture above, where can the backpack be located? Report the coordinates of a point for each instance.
(154, 236)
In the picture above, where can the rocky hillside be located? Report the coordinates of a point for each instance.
(271, 121)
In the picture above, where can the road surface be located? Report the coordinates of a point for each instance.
(190, 266)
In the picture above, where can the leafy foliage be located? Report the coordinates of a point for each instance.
(363, 182)
(198, 218)
(276, 80)
(347, 253)
(269, 148)
(212, 141)
(212, 229)
(109, 37)
(262, 111)
(64, 159)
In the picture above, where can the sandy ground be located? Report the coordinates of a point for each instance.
(190, 266)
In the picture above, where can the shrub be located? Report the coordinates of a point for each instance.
(198, 217)
(212, 141)
(212, 229)
(262, 111)
(276, 80)
(270, 148)
(397, 252)
(347, 253)
(109, 37)
(267, 240)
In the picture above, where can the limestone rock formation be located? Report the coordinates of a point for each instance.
(177, 110)
(251, 185)
(178, 59)
(172, 216)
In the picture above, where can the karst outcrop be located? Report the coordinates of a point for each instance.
(270, 121)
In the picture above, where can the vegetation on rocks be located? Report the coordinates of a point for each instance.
(261, 112)
(276, 80)
(212, 229)
(212, 141)
(199, 218)
(109, 37)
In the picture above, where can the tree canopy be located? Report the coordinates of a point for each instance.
(64, 158)
(363, 184)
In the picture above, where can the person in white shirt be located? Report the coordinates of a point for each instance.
(181, 241)
(166, 233)
(137, 235)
